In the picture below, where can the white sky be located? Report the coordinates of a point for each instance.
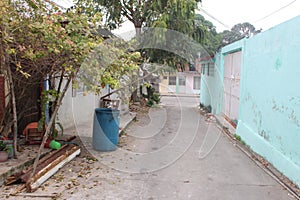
(231, 12)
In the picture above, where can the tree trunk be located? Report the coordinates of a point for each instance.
(135, 83)
(14, 108)
(51, 122)
(138, 32)
(6, 67)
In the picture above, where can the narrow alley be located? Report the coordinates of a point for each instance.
(173, 153)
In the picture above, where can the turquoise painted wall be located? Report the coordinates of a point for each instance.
(269, 107)
(269, 115)
(211, 90)
(212, 87)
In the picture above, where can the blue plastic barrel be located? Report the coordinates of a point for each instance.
(106, 129)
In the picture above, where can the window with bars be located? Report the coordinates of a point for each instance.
(203, 69)
(181, 80)
(208, 69)
(211, 69)
(196, 83)
(172, 80)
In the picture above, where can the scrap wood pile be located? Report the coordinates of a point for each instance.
(47, 166)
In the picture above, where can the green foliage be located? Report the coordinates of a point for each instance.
(212, 40)
(111, 63)
(237, 32)
(5, 147)
(2, 146)
(152, 96)
(177, 15)
(47, 97)
(156, 97)
(150, 102)
(117, 11)
(41, 41)
(178, 34)
(237, 137)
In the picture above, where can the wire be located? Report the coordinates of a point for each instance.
(208, 14)
(274, 12)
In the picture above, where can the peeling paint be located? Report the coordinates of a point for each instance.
(247, 98)
(294, 119)
(295, 100)
(264, 134)
(269, 115)
(288, 111)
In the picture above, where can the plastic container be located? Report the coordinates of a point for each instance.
(3, 156)
(54, 145)
(106, 129)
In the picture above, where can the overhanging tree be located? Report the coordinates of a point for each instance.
(38, 41)
(175, 34)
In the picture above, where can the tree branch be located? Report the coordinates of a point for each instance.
(48, 129)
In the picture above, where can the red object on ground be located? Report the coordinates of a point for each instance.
(32, 134)
(4, 138)
(47, 144)
(30, 125)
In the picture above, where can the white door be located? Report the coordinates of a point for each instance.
(181, 84)
(232, 74)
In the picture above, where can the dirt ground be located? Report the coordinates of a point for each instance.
(79, 175)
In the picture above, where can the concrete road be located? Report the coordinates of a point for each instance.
(171, 153)
(174, 154)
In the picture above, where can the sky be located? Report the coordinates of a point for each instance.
(263, 14)
(231, 12)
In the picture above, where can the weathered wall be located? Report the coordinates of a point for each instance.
(211, 90)
(165, 88)
(78, 109)
(269, 107)
(189, 82)
(269, 117)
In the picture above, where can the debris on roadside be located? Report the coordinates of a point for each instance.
(210, 118)
(47, 167)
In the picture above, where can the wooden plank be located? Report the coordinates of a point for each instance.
(37, 195)
(24, 174)
(45, 162)
(19, 189)
(51, 169)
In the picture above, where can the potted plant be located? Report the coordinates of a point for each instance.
(3, 151)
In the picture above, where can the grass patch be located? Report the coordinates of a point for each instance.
(237, 137)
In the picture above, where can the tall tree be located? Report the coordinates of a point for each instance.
(173, 33)
(237, 32)
(116, 11)
(211, 40)
(177, 15)
(140, 12)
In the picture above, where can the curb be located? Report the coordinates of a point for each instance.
(180, 95)
(128, 122)
(257, 159)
